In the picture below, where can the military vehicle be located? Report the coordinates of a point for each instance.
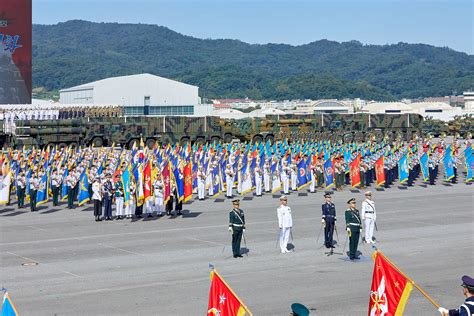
(170, 129)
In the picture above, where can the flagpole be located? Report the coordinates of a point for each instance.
(409, 279)
(232, 291)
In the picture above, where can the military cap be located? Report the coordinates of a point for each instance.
(368, 193)
(237, 201)
(327, 194)
(299, 309)
(467, 282)
(351, 200)
(283, 197)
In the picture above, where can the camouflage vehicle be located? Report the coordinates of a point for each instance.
(172, 129)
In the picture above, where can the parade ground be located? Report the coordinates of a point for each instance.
(61, 262)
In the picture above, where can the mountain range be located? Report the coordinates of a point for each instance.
(76, 52)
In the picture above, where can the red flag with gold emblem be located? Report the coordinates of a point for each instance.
(390, 289)
(355, 171)
(188, 181)
(222, 300)
(379, 172)
(147, 182)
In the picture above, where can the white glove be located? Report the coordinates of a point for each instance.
(230, 229)
(443, 311)
(244, 230)
(348, 229)
(322, 221)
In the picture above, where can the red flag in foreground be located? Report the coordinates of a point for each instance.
(379, 171)
(222, 300)
(355, 171)
(390, 288)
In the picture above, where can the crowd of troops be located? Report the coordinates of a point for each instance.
(158, 181)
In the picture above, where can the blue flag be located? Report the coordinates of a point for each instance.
(179, 180)
(424, 166)
(126, 185)
(469, 164)
(42, 195)
(448, 164)
(403, 169)
(64, 185)
(328, 173)
(302, 179)
(8, 308)
(83, 195)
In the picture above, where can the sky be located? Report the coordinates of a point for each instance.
(436, 22)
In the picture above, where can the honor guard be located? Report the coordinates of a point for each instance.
(34, 186)
(107, 190)
(285, 177)
(97, 199)
(70, 182)
(236, 227)
(353, 226)
(293, 175)
(285, 223)
(201, 179)
(119, 199)
(328, 220)
(21, 184)
(56, 184)
(258, 179)
(466, 309)
(266, 175)
(158, 195)
(369, 217)
(229, 180)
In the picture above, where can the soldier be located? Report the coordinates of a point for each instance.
(258, 179)
(312, 184)
(119, 195)
(353, 226)
(21, 185)
(107, 191)
(266, 175)
(229, 180)
(467, 308)
(293, 175)
(70, 182)
(285, 223)
(34, 186)
(178, 204)
(328, 220)
(320, 173)
(56, 184)
(158, 194)
(97, 198)
(368, 216)
(201, 178)
(236, 227)
(132, 200)
(285, 174)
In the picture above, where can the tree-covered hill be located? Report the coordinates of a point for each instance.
(76, 52)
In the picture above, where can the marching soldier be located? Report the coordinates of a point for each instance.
(369, 217)
(56, 184)
(21, 184)
(236, 227)
(353, 226)
(467, 308)
(328, 220)
(285, 223)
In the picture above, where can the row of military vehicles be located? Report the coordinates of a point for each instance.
(105, 131)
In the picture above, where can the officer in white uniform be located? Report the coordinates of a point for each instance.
(294, 175)
(266, 176)
(258, 179)
(201, 179)
(285, 222)
(229, 180)
(285, 174)
(158, 193)
(368, 216)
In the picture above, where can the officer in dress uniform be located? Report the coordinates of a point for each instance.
(285, 177)
(236, 227)
(229, 180)
(21, 184)
(70, 182)
(353, 226)
(107, 190)
(97, 199)
(258, 179)
(158, 194)
(266, 175)
(369, 217)
(285, 223)
(201, 179)
(294, 175)
(466, 309)
(119, 197)
(328, 220)
(56, 183)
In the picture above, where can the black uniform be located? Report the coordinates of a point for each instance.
(329, 216)
(237, 223)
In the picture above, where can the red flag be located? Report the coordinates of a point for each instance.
(167, 182)
(379, 172)
(390, 288)
(222, 300)
(355, 171)
(147, 182)
(188, 181)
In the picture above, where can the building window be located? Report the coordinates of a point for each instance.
(172, 110)
(133, 110)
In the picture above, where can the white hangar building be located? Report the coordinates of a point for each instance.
(142, 94)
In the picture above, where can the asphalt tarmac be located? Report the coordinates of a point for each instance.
(61, 262)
